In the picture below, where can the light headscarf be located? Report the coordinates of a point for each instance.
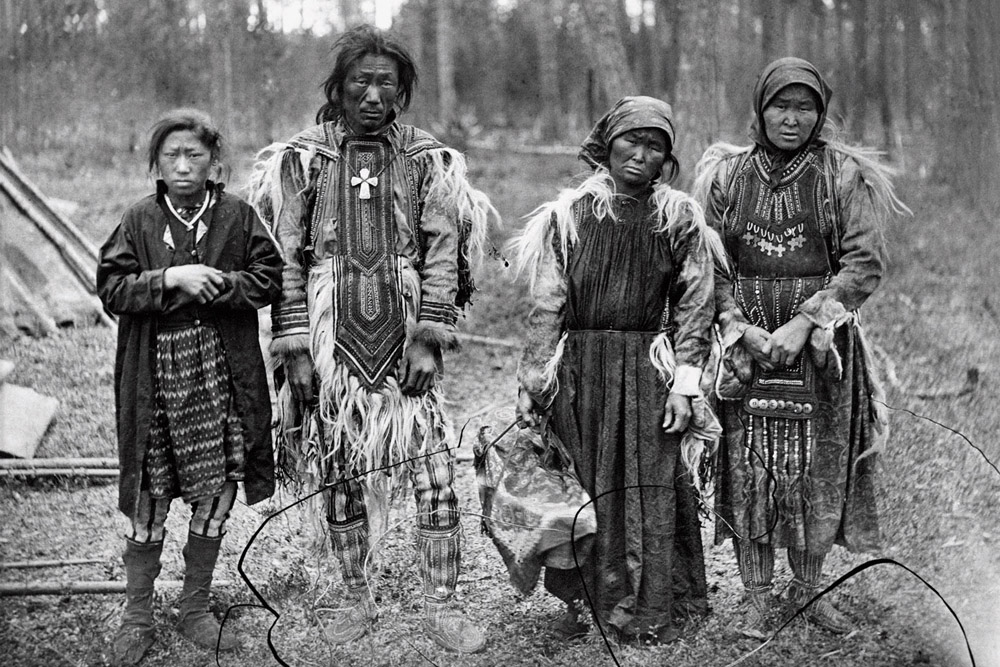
(628, 113)
(777, 75)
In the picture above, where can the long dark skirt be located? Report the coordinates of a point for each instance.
(646, 567)
(807, 484)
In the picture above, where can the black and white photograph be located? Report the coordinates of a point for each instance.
(540, 333)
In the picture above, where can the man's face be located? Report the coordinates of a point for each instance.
(369, 93)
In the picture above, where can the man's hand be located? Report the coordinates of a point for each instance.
(788, 340)
(299, 375)
(199, 282)
(678, 413)
(527, 412)
(418, 367)
(757, 342)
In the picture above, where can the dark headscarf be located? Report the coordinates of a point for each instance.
(777, 75)
(628, 113)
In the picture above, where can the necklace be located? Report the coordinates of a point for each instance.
(364, 180)
(197, 216)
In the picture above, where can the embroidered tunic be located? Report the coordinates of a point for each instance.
(376, 232)
(796, 463)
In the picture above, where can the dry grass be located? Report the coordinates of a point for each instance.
(936, 317)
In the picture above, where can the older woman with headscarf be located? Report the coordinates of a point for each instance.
(800, 218)
(621, 276)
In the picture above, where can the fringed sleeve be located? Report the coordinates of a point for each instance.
(453, 226)
(279, 191)
(862, 197)
(541, 247)
(691, 302)
(713, 174)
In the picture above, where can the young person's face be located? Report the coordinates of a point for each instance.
(789, 118)
(369, 92)
(635, 158)
(184, 164)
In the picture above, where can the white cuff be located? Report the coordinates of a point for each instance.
(686, 379)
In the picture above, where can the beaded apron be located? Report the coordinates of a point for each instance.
(367, 295)
(782, 260)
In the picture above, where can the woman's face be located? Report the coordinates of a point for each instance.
(184, 163)
(635, 158)
(790, 117)
(369, 92)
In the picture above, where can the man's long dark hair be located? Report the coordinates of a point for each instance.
(351, 47)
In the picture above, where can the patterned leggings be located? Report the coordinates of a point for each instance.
(432, 477)
(208, 515)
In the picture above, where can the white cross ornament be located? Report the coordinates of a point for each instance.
(364, 180)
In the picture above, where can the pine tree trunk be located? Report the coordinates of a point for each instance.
(886, 29)
(913, 61)
(773, 15)
(447, 97)
(544, 26)
(859, 113)
(613, 75)
(983, 113)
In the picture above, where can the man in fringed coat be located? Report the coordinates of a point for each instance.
(376, 221)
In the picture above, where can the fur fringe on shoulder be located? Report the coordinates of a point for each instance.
(473, 206)
(871, 173)
(263, 189)
(712, 161)
(673, 209)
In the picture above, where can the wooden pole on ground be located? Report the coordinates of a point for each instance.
(83, 587)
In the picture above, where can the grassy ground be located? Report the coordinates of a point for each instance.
(937, 317)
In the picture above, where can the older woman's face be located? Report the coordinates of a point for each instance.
(635, 158)
(369, 92)
(184, 164)
(789, 118)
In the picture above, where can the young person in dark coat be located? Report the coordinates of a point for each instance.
(186, 271)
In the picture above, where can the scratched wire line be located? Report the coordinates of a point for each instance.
(263, 604)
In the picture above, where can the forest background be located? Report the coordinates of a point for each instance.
(918, 78)
(517, 84)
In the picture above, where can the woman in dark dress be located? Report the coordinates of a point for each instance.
(621, 273)
(801, 220)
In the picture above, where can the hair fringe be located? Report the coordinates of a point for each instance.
(474, 208)
(263, 189)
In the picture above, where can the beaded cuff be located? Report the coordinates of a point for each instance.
(434, 311)
(290, 319)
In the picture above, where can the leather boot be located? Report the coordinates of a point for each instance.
(821, 612)
(757, 612)
(758, 609)
(570, 625)
(439, 556)
(195, 621)
(808, 570)
(135, 636)
(353, 620)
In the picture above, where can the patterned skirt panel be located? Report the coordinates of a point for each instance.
(196, 440)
